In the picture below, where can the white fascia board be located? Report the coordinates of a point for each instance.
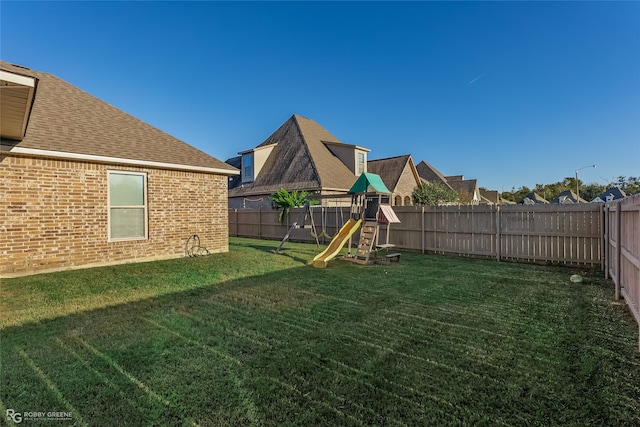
(117, 160)
(252, 150)
(17, 79)
(341, 144)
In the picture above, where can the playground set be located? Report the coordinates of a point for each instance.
(370, 212)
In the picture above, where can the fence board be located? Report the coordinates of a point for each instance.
(623, 248)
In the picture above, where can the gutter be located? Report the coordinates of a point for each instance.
(116, 160)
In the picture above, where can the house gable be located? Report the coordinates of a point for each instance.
(532, 198)
(252, 161)
(467, 190)
(491, 197)
(400, 175)
(431, 174)
(567, 197)
(354, 157)
(613, 193)
(298, 159)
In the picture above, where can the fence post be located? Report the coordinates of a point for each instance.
(605, 239)
(618, 267)
(237, 226)
(422, 233)
(498, 236)
(602, 265)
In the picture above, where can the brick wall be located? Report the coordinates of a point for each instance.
(53, 214)
(406, 184)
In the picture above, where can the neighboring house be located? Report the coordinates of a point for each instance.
(431, 174)
(299, 155)
(490, 197)
(83, 183)
(532, 198)
(567, 197)
(467, 189)
(613, 193)
(399, 175)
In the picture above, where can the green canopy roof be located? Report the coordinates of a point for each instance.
(369, 183)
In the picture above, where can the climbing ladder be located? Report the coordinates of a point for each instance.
(367, 240)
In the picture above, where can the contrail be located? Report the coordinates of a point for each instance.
(477, 78)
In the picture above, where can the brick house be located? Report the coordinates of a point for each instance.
(84, 184)
(400, 176)
(299, 155)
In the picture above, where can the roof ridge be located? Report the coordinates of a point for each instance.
(306, 147)
(392, 157)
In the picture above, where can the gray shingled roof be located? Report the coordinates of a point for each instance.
(533, 196)
(616, 192)
(299, 161)
(492, 196)
(431, 174)
(568, 196)
(66, 119)
(467, 186)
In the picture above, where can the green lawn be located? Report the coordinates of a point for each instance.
(255, 338)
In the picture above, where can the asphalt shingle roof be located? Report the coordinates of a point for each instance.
(431, 174)
(300, 161)
(66, 119)
(389, 169)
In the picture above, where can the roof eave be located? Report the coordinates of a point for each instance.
(16, 102)
(120, 161)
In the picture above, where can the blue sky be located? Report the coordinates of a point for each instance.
(509, 93)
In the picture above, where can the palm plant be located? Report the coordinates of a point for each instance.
(285, 200)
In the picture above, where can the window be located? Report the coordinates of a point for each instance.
(247, 167)
(127, 205)
(360, 163)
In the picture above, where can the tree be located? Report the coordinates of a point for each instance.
(433, 194)
(588, 192)
(285, 200)
(591, 191)
(629, 185)
(516, 195)
(465, 198)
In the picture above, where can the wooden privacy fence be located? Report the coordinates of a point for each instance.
(622, 244)
(264, 223)
(559, 234)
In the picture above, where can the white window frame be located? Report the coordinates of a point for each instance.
(360, 166)
(145, 207)
(246, 177)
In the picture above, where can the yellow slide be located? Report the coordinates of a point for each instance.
(350, 227)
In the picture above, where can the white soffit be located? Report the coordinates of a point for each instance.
(16, 98)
